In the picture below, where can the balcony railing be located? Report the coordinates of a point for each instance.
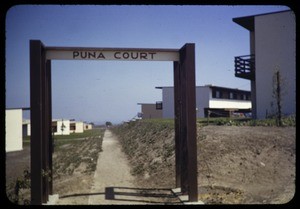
(245, 67)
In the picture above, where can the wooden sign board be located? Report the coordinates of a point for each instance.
(121, 54)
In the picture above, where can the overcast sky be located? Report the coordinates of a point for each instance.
(99, 91)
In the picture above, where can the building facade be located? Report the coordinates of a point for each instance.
(271, 63)
(26, 127)
(76, 127)
(87, 126)
(151, 110)
(213, 101)
(13, 130)
(61, 127)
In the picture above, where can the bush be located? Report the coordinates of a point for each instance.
(15, 192)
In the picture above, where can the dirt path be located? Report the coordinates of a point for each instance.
(113, 183)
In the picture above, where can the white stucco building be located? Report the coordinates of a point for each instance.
(13, 130)
(61, 127)
(87, 126)
(216, 100)
(76, 127)
(272, 49)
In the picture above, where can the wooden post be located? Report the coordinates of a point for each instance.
(49, 125)
(37, 60)
(189, 143)
(45, 132)
(177, 111)
(183, 127)
(41, 118)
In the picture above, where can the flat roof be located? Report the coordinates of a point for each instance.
(208, 85)
(146, 103)
(18, 108)
(248, 21)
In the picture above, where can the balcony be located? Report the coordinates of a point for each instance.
(245, 67)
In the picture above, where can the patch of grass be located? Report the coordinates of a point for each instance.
(18, 191)
(69, 158)
(286, 121)
(61, 140)
(149, 146)
(86, 133)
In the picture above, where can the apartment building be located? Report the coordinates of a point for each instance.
(271, 64)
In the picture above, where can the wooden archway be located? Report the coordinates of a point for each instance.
(41, 109)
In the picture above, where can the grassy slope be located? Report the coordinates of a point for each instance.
(149, 145)
(70, 155)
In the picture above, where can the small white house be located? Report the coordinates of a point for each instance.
(13, 130)
(87, 126)
(61, 126)
(214, 101)
(76, 127)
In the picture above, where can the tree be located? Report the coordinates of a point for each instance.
(108, 123)
(277, 95)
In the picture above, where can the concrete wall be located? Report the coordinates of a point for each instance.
(78, 127)
(87, 126)
(66, 130)
(229, 104)
(275, 49)
(13, 130)
(168, 102)
(26, 129)
(203, 95)
(202, 100)
(252, 83)
(150, 111)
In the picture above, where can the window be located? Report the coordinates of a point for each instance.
(232, 95)
(217, 94)
(159, 105)
(54, 126)
(213, 93)
(72, 127)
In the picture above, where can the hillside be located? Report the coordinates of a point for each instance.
(236, 164)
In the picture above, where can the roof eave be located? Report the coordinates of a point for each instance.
(246, 22)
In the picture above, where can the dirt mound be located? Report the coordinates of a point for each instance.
(260, 161)
(236, 164)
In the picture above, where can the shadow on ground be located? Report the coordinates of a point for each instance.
(141, 195)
